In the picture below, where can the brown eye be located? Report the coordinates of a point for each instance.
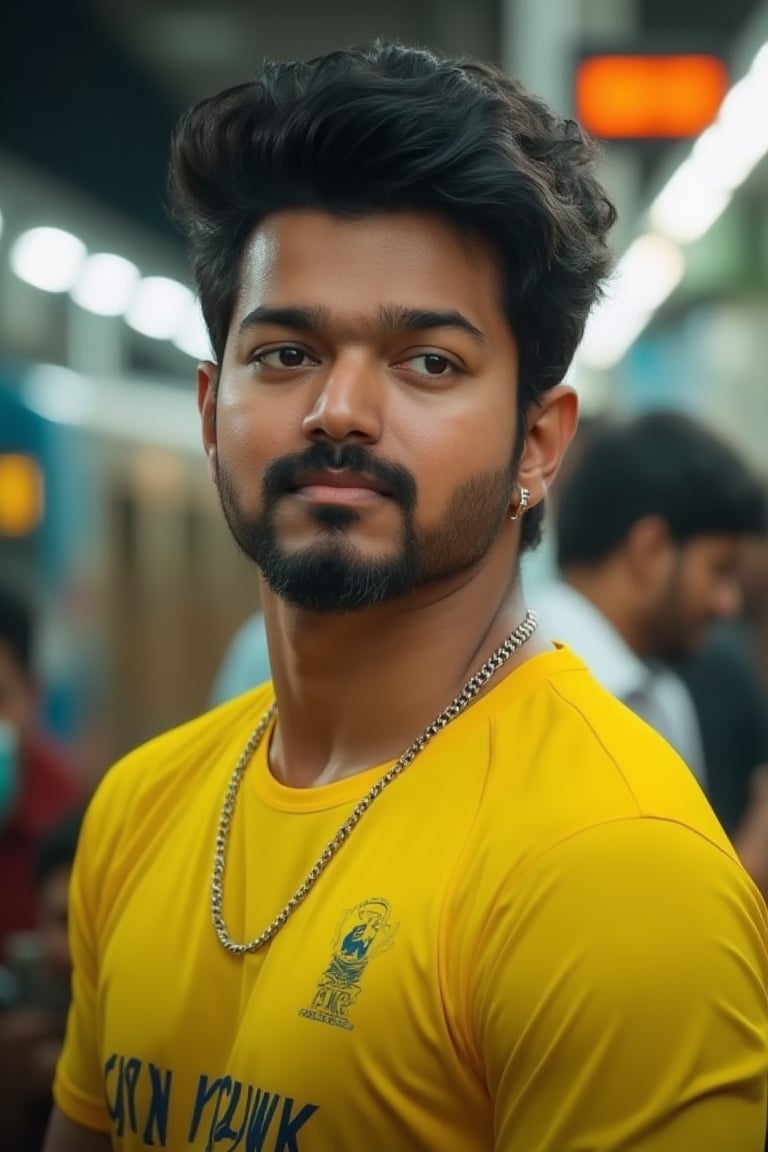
(288, 356)
(431, 364)
(291, 357)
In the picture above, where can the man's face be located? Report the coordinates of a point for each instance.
(18, 702)
(365, 416)
(703, 586)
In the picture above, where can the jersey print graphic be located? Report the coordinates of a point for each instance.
(364, 932)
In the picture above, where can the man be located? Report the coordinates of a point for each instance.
(36, 781)
(650, 520)
(433, 920)
(729, 694)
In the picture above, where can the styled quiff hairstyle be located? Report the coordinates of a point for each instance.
(396, 129)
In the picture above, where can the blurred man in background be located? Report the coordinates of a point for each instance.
(651, 519)
(38, 786)
(755, 615)
(726, 680)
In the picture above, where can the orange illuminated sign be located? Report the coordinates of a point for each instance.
(21, 495)
(633, 97)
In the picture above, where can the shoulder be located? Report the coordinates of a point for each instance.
(634, 913)
(169, 770)
(567, 756)
(640, 897)
(593, 844)
(630, 961)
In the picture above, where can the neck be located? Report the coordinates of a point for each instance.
(354, 691)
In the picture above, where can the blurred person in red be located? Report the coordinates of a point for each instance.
(37, 784)
(36, 996)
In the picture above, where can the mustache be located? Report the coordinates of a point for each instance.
(284, 474)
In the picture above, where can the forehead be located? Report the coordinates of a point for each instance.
(355, 265)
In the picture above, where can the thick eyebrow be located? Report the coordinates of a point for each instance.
(302, 319)
(401, 319)
(393, 317)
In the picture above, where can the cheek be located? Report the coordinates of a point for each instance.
(255, 426)
(699, 595)
(236, 423)
(448, 450)
(246, 443)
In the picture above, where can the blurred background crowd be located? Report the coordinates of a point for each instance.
(124, 606)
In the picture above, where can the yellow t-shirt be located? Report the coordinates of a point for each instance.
(537, 940)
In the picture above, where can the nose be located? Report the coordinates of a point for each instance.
(349, 403)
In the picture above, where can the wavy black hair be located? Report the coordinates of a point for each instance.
(392, 129)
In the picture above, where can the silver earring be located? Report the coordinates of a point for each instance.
(522, 508)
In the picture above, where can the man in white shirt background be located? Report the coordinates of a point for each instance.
(649, 521)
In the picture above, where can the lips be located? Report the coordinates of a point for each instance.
(340, 479)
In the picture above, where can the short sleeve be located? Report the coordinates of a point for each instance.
(78, 1083)
(620, 997)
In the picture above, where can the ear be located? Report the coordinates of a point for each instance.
(550, 426)
(650, 552)
(207, 379)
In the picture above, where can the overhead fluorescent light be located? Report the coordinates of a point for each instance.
(106, 284)
(691, 201)
(688, 205)
(158, 307)
(646, 276)
(192, 335)
(648, 273)
(48, 258)
(720, 161)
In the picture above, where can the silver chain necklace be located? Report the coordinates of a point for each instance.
(495, 661)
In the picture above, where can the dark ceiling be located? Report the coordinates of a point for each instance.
(90, 89)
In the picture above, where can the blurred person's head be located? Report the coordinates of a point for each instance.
(18, 691)
(651, 519)
(441, 177)
(53, 868)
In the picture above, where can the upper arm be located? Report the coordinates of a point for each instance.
(78, 1086)
(65, 1136)
(621, 998)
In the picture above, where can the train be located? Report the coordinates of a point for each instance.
(109, 523)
